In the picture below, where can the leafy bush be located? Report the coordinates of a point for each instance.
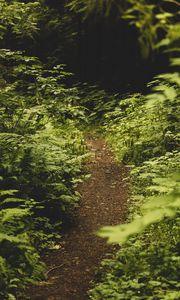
(19, 17)
(142, 127)
(144, 268)
(42, 152)
(143, 131)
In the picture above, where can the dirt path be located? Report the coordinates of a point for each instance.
(72, 268)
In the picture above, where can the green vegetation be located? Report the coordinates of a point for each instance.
(42, 151)
(143, 131)
(42, 112)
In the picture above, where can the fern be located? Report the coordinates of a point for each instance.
(42, 152)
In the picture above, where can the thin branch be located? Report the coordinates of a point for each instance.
(173, 1)
(57, 267)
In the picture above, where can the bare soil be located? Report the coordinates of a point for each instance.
(72, 267)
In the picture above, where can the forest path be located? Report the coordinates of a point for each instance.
(72, 268)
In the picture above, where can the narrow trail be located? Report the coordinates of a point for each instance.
(72, 268)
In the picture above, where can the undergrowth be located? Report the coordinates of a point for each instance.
(143, 131)
(42, 151)
(42, 148)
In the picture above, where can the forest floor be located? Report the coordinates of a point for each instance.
(72, 267)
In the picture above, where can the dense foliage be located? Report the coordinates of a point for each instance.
(42, 147)
(42, 151)
(19, 18)
(143, 130)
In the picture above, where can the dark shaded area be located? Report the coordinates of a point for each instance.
(98, 50)
(104, 52)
